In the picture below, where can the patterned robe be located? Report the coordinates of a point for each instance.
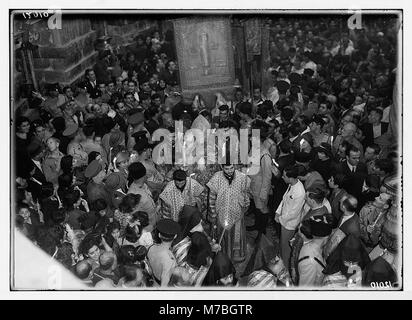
(228, 203)
(173, 200)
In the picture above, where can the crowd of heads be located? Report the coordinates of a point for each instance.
(80, 147)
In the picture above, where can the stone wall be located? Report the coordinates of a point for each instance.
(63, 54)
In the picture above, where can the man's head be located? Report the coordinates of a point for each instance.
(84, 270)
(353, 155)
(290, 174)
(90, 249)
(90, 75)
(108, 261)
(372, 152)
(382, 201)
(348, 130)
(348, 204)
(315, 197)
(228, 169)
(375, 116)
(223, 113)
(179, 177)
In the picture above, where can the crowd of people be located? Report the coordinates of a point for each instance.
(89, 193)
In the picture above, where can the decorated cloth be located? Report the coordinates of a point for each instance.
(173, 199)
(181, 249)
(370, 215)
(196, 276)
(228, 203)
(262, 279)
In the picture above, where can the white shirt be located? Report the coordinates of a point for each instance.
(290, 209)
(351, 168)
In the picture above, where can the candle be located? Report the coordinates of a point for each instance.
(223, 233)
(301, 144)
(331, 141)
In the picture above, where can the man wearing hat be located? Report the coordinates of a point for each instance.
(96, 188)
(310, 264)
(115, 185)
(160, 256)
(155, 180)
(136, 124)
(137, 179)
(183, 190)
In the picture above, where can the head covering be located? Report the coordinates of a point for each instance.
(93, 169)
(136, 171)
(221, 267)
(391, 185)
(141, 144)
(136, 118)
(113, 181)
(326, 149)
(168, 228)
(70, 130)
(179, 175)
(349, 249)
(379, 270)
(320, 226)
(282, 86)
(295, 79)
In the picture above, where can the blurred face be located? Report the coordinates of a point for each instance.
(122, 108)
(92, 76)
(172, 66)
(224, 115)
(347, 131)
(381, 200)
(129, 99)
(146, 87)
(116, 233)
(353, 158)
(25, 213)
(98, 140)
(323, 109)
(102, 87)
(132, 87)
(239, 95)
(40, 132)
(229, 170)
(69, 93)
(167, 119)
(94, 253)
(180, 184)
(110, 87)
(331, 183)
(228, 280)
(52, 145)
(157, 102)
(118, 81)
(24, 127)
(370, 154)
(256, 93)
(322, 156)
(374, 117)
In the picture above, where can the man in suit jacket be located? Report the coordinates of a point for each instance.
(348, 224)
(354, 170)
(91, 84)
(37, 178)
(374, 128)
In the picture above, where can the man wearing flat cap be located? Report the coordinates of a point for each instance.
(160, 257)
(96, 189)
(183, 190)
(315, 232)
(137, 179)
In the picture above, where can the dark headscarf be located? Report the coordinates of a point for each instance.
(221, 267)
(349, 249)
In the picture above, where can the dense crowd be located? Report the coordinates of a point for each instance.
(89, 193)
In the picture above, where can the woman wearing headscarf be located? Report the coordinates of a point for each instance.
(345, 264)
(222, 273)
